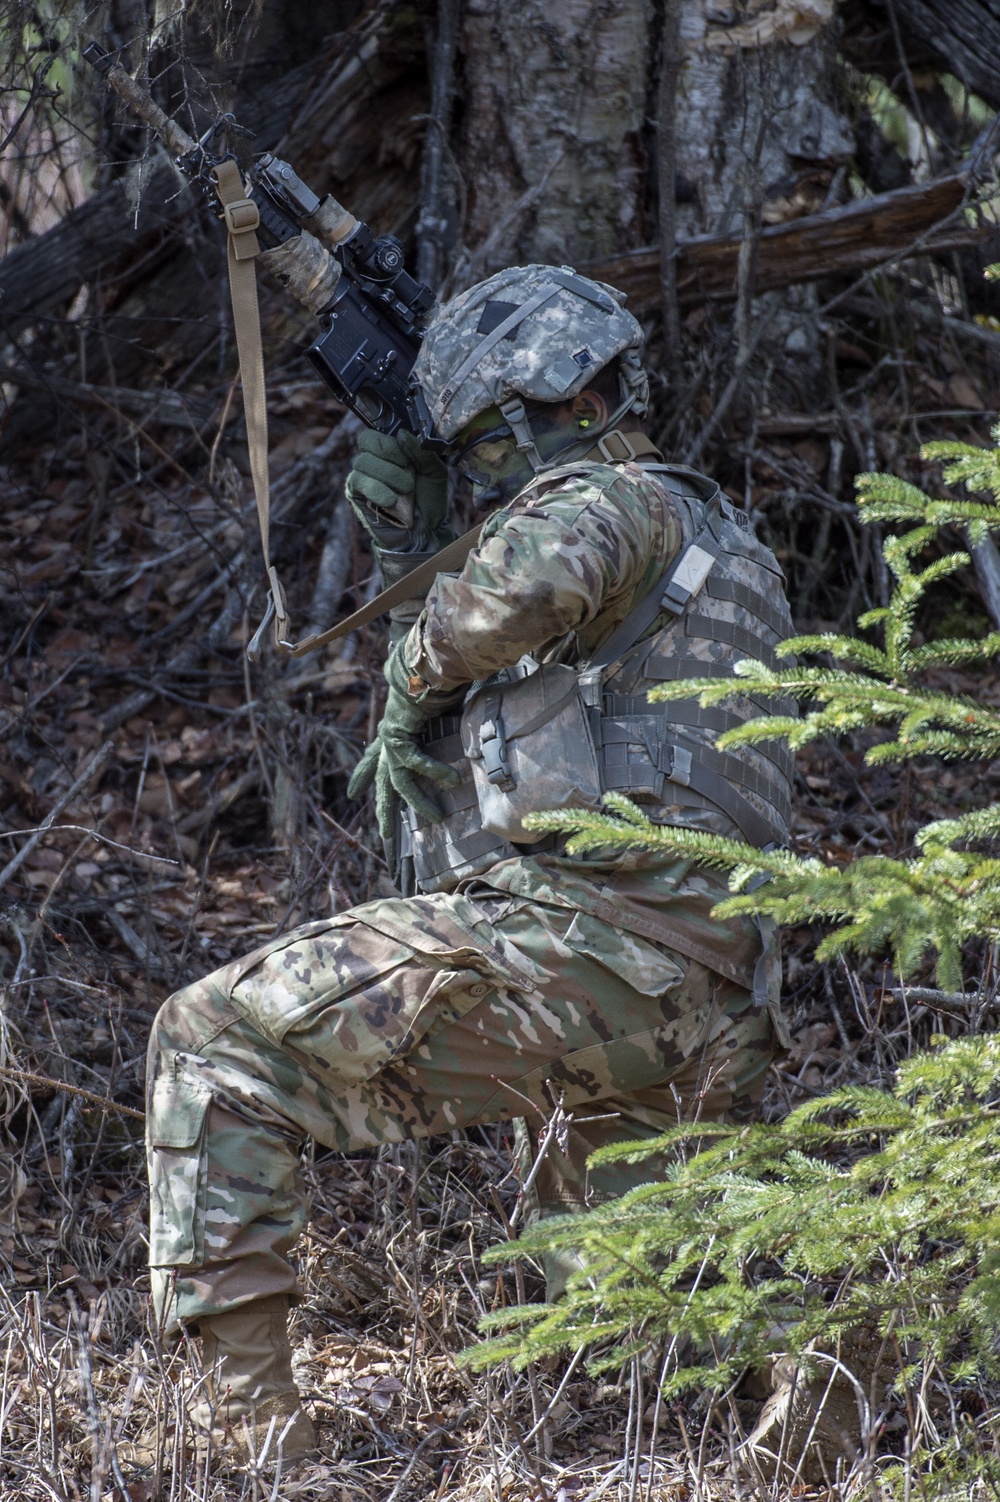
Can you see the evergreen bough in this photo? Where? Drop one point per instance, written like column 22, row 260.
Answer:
column 764, row 1238
column 868, row 1209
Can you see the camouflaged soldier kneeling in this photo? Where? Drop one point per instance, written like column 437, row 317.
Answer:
column 506, row 971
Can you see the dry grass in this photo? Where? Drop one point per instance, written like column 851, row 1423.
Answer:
column 392, row 1292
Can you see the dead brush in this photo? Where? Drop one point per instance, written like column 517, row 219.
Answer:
column 239, row 777
column 392, row 1291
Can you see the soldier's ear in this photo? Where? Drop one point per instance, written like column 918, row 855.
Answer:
column 589, row 411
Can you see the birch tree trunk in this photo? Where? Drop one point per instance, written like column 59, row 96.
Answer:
column 551, row 147
column 761, row 139
column 558, row 143
column 760, row 134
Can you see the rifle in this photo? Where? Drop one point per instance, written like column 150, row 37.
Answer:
column 371, row 310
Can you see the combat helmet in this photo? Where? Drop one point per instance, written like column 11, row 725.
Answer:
column 530, row 333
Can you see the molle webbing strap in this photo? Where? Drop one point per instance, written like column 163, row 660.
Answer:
column 657, row 669
column 710, row 773
column 730, row 634
column 617, row 447
column 684, row 712
column 666, row 757
column 750, row 600
column 673, row 591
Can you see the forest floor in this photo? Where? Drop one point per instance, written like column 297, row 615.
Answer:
column 193, row 807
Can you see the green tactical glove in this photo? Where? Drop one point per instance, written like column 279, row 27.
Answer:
column 399, row 492
column 394, row 759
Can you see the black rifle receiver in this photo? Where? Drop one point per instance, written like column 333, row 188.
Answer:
column 372, row 326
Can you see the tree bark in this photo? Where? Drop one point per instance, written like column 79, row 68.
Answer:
column 759, row 119
column 555, row 139
column 435, row 224
column 551, row 149
column 666, row 144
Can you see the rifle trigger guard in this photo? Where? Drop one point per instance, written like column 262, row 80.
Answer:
column 241, row 216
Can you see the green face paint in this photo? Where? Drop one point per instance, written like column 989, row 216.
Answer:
column 488, row 456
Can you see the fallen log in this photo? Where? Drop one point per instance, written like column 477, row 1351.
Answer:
column 45, row 272
column 159, row 406
column 853, row 238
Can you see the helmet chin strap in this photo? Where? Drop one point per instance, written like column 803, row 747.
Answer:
column 515, row 416
column 582, row 446
column 593, row 447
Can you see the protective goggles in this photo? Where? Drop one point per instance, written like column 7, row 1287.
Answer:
column 483, row 458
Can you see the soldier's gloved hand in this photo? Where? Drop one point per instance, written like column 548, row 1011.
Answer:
column 394, row 759
column 399, row 491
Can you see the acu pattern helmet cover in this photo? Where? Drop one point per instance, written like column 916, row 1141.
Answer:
column 535, row 332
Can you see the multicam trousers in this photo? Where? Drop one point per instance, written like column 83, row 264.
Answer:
column 404, row 1018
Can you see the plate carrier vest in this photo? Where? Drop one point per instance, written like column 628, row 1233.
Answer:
column 722, row 599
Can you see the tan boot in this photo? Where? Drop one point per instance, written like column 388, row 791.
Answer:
column 813, row 1429
column 250, row 1399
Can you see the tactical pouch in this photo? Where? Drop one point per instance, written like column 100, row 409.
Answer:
column 530, row 748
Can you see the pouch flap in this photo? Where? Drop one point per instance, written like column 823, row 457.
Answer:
column 462, row 939
column 177, row 1112
column 526, row 704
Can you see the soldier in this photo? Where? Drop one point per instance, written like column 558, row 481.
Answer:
column 507, row 971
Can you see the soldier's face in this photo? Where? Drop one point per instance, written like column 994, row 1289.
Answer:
column 488, row 456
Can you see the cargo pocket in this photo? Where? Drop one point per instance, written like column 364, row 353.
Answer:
column 350, row 995
column 178, row 1178
column 639, row 964
column 286, row 985
column 604, row 1070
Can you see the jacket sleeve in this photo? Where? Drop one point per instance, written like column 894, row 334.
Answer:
column 575, row 559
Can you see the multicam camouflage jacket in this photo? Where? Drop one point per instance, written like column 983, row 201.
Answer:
column 568, row 555
column 556, row 572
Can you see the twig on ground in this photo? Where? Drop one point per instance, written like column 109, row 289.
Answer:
column 94, row 834
column 88, row 1095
